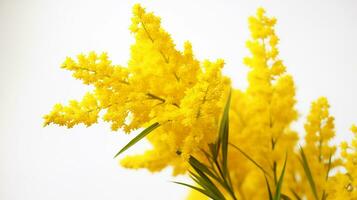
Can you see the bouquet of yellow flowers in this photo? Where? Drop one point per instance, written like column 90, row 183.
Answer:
column 234, row 144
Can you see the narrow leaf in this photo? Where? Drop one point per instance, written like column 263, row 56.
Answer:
column 297, row 197
column 328, row 166
column 203, row 186
column 285, row 197
column 141, row 135
column 207, row 184
column 214, row 148
column 207, row 155
column 198, row 189
column 324, row 195
column 250, row 158
column 224, row 134
column 279, row 186
column 308, row 173
column 269, row 190
column 197, row 164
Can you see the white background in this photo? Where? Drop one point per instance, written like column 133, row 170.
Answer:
column 318, row 44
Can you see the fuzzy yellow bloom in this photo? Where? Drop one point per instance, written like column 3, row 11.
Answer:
column 183, row 98
column 159, row 85
column 344, row 184
column 319, row 132
column 354, row 129
column 257, row 116
column 85, row 112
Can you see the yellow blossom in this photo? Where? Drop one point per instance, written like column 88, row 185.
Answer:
column 344, row 184
column 185, row 97
column 160, row 84
column 354, row 129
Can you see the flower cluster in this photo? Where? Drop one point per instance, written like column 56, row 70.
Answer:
column 344, row 184
column 180, row 99
column 160, row 85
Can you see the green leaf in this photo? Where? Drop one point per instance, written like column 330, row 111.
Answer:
column 269, row 190
column 285, row 197
column 141, row 135
column 200, row 190
column 202, row 180
column 297, row 197
column 224, row 134
column 308, row 173
column 250, row 158
column 207, row 155
column 328, row 166
column 324, row 194
column 214, row 149
column 204, row 175
column 197, row 164
column 204, row 188
column 279, row 186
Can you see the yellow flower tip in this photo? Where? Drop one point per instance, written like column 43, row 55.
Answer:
column 92, row 56
column 247, row 61
column 68, row 63
column 274, row 40
column 354, row 129
column 278, row 68
column 45, row 123
column 323, row 100
column 260, row 12
column 47, row 120
column 344, row 145
column 220, row 63
column 187, row 45
column 126, row 162
column 272, row 21
column 138, row 10
column 252, row 20
column 103, row 56
column 187, row 48
column 322, row 103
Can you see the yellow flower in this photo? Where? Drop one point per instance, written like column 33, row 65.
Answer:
column 85, row 112
column 185, row 96
column 354, row 129
column 160, row 84
column 344, row 184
